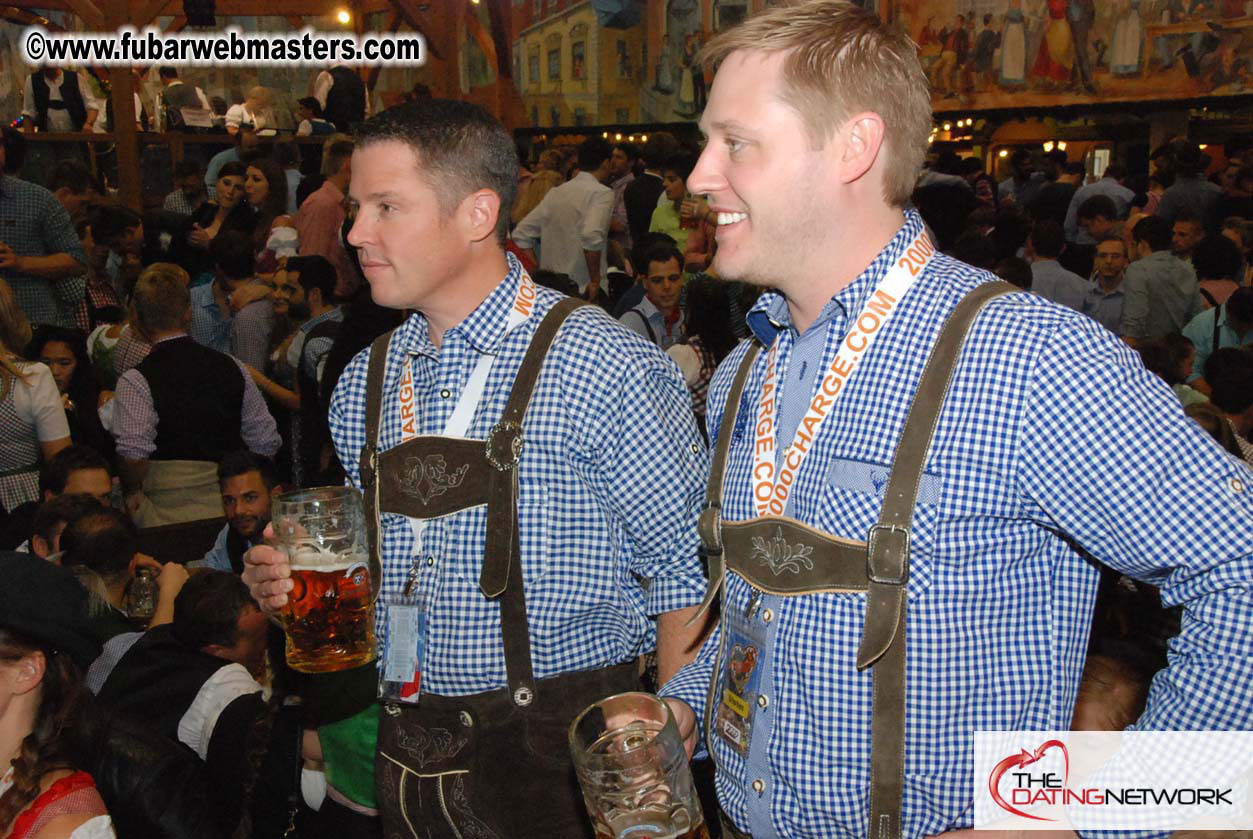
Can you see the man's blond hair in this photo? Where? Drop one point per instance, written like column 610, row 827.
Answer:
column 161, row 299
column 842, row 60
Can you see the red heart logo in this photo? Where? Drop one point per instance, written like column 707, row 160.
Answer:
column 1025, row 758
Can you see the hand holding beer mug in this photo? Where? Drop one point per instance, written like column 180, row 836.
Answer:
column 633, row 770
column 329, row 615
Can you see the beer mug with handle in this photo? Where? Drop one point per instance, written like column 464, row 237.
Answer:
column 329, row 616
column 633, row 771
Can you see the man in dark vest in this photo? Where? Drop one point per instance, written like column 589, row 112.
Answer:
column 509, row 409
column 176, row 95
column 248, row 484
column 58, row 100
column 342, row 95
column 181, row 410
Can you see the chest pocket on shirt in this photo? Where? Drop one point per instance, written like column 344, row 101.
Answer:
column 853, row 498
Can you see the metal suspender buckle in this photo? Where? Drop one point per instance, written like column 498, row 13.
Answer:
column 709, row 526
column 369, row 465
column 504, row 445
column 887, row 555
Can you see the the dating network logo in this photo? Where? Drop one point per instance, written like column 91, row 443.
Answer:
column 1030, row 788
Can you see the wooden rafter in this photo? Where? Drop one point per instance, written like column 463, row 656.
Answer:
column 178, row 24
column 409, row 13
column 148, row 12
column 498, row 16
column 88, row 12
column 28, row 18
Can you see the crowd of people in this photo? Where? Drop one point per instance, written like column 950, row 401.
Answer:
column 190, row 362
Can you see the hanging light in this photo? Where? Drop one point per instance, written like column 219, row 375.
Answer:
column 1003, row 153
column 948, row 126
column 1048, row 146
column 343, row 16
column 1061, row 145
column 643, row 138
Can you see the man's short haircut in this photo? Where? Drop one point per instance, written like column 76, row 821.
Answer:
column 71, row 175
column 315, row 272
column 1188, row 217
column 167, row 72
column 286, row 153
column 1020, row 155
column 1229, row 372
column 1238, row 224
column 188, row 167
column 631, row 150
column 1152, row 229
column 593, row 152
column 335, row 155
column 52, row 515
column 110, row 221
column 1240, row 305
column 207, row 609
column 460, row 148
column 1116, row 171
column 640, row 249
column 56, row 470
column 103, row 540
column 312, row 103
column 1047, row 239
column 1015, row 270
column 842, row 60
column 242, row 461
column 1113, row 237
column 1097, row 205
column 233, row 255
column 1217, row 258
column 161, row 298
column 660, row 147
column 681, row 164
column 661, row 252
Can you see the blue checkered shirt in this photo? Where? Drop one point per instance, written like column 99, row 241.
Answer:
column 611, row 480
column 33, row 223
column 1053, row 436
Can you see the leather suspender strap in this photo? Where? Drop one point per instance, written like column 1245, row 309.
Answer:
column 883, row 639
column 709, row 525
column 502, row 559
column 370, row 452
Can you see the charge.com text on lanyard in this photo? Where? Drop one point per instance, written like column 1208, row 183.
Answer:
column 771, row 490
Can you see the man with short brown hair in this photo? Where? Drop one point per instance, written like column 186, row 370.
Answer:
column 908, row 487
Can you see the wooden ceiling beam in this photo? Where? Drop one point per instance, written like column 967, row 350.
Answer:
column 147, row 13
column 408, row 11
column 88, row 12
column 26, row 17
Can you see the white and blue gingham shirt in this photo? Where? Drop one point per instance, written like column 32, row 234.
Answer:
column 1053, row 437
column 611, row 481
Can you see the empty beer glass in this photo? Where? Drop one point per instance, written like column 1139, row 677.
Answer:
column 329, row 616
column 633, row 770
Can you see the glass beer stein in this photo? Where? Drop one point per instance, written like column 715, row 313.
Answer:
column 329, row 616
column 633, row 770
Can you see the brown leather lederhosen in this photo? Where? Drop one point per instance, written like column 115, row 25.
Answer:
column 493, row 764
column 878, row 566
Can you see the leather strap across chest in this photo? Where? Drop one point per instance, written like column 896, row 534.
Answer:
column 783, row 556
column 433, row 476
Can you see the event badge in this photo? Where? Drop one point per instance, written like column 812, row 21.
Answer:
column 741, row 678
column 400, row 678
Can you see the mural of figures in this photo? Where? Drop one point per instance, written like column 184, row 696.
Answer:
column 1126, row 50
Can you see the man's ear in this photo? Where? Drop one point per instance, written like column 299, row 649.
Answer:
column 860, row 139
column 40, row 546
column 481, row 210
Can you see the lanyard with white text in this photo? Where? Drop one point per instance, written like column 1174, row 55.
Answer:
column 463, row 414
column 772, row 483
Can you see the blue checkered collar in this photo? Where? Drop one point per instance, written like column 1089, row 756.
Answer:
column 483, row 329
column 769, row 315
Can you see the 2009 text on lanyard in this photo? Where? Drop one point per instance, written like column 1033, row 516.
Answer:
column 772, row 481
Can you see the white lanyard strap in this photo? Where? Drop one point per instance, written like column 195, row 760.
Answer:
column 458, row 422
column 772, row 482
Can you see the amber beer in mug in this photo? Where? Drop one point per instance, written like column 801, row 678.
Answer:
column 329, row 616
column 633, row 771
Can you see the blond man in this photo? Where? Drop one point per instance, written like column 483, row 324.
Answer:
column 875, row 614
